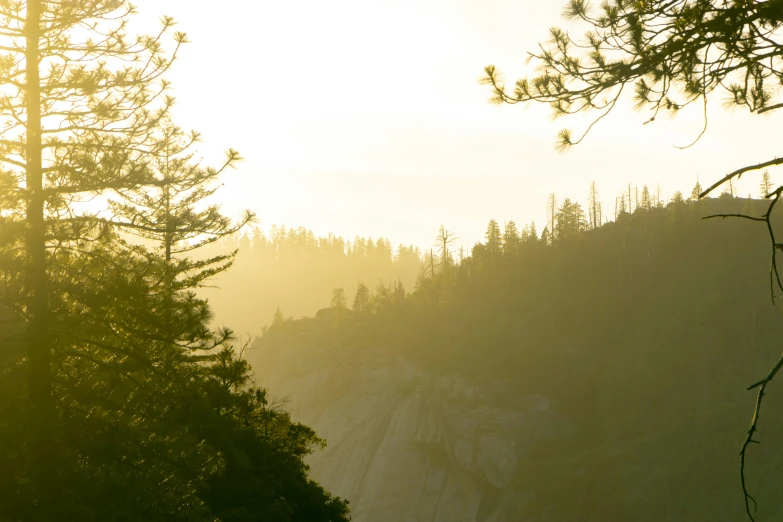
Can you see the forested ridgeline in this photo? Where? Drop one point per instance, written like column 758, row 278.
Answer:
column 644, row 333
column 295, row 270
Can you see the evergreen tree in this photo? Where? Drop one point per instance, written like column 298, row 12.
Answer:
column 696, row 192
column 570, row 220
column 532, row 234
column 545, row 237
column 381, row 298
column 167, row 212
column 87, row 100
column 511, row 238
column 493, row 237
column 646, row 202
column 399, row 294
column 338, row 305
column 621, row 209
column 339, row 302
column 361, row 302
column 766, row 184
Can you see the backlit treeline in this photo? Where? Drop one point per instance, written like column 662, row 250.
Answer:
column 292, row 272
column 567, row 218
column 295, row 270
column 433, row 269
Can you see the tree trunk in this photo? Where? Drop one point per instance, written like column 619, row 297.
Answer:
column 38, row 345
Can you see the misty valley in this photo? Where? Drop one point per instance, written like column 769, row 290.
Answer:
column 577, row 380
column 398, row 299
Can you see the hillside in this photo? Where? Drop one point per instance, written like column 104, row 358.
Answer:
column 295, row 270
column 598, row 378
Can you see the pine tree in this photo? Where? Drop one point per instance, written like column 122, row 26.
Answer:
column 167, row 212
column 493, row 237
column 766, row 184
column 382, row 298
column 678, row 198
column 570, row 220
column 399, row 293
column 339, row 301
column 338, row 305
column 139, row 301
column 361, row 301
column 511, row 238
column 87, row 99
column 646, row 202
column 533, row 234
column 696, row 192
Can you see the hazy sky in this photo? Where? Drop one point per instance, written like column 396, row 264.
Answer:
column 366, row 117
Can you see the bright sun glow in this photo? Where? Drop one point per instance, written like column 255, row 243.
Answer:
column 351, row 108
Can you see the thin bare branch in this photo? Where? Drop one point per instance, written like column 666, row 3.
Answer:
column 739, row 172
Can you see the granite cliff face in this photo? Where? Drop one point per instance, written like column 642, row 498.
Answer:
column 404, row 445
column 647, row 434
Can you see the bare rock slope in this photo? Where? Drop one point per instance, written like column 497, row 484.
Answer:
column 404, row 445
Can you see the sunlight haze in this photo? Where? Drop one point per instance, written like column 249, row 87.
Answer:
column 395, row 279
column 373, row 109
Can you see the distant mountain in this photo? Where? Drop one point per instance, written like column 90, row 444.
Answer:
column 598, row 375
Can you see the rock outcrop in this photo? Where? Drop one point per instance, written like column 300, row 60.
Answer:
column 404, row 445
